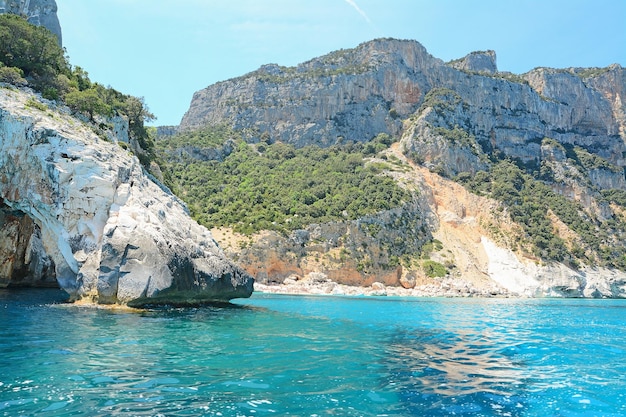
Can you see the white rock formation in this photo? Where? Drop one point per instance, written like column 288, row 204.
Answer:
column 114, row 235
column 550, row 280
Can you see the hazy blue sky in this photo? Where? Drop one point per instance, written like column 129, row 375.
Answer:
column 165, row 50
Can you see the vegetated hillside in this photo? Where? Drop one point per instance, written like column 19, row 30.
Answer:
column 30, row 56
column 544, row 150
column 276, row 186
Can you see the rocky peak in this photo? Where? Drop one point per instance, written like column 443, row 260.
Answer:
column 480, row 62
column 38, row 12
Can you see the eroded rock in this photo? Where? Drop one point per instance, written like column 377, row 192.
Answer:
column 114, row 235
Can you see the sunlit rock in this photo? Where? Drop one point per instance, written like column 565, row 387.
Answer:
column 113, row 234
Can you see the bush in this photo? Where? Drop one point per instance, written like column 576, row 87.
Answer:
column 434, row 269
column 12, row 75
column 30, row 53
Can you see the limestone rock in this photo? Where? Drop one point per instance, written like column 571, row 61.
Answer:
column 481, row 62
column 38, row 12
column 114, row 235
column 345, row 95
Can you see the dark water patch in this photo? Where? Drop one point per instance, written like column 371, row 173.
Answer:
column 443, row 373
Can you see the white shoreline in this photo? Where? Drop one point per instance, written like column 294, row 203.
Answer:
column 448, row 289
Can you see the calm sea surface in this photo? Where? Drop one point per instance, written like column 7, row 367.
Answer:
column 275, row 355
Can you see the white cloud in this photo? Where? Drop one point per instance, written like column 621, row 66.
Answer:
column 358, row 9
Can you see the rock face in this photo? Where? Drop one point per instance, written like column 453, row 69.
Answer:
column 346, row 252
column 358, row 93
column 38, row 12
column 565, row 127
column 480, row 62
column 346, row 95
column 110, row 233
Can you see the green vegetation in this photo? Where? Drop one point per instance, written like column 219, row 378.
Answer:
column 277, row 187
column 211, row 137
column 531, row 203
column 460, row 137
column 615, row 196
column 434, row 269
column 31, row 49
column 590, row 160
column 30, row 55
column 441, row 99
column 590, row 72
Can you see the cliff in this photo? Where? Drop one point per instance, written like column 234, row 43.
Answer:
column 520, row 179
column 78, row 207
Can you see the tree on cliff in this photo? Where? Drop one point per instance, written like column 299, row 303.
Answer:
column 31, row 55
column 87, row 101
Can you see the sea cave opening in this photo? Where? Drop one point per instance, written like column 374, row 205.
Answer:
column 23, row 258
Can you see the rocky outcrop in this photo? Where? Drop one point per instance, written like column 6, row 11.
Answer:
column 111, row 234
column 358, row 252
column 38, row 12
column 479, row 62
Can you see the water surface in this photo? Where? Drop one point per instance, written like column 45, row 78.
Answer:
column 275, row 355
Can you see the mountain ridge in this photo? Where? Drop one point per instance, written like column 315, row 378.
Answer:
column 558, row 134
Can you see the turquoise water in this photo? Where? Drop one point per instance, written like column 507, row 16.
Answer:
column 277, row 355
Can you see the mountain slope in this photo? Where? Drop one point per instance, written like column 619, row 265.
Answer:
column 536, row 159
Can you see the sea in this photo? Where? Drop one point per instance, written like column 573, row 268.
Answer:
column 283, row 355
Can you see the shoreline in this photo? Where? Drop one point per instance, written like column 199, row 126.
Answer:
column 447, row 288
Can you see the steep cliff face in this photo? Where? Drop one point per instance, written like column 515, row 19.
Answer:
column 89, row 211
column 38, row 12
column 356, row 94
column 346, row 95
column 559, row 133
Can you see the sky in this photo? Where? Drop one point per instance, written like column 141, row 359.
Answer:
column 164, row 50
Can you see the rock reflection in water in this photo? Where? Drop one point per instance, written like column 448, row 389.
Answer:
column 446, row 373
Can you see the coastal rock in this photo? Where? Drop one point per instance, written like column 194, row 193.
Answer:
column 344, row 252
column 38, row 12
column 113, row 235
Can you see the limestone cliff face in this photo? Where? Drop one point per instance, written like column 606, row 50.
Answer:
column 356, row 94
column 346, row 95
column 110, row 233
column 38, row 12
